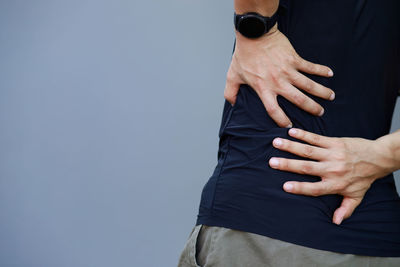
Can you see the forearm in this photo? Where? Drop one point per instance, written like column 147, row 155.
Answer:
column 264, row 7
column 390, row 143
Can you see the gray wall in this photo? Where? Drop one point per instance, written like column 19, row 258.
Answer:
column 109, row 114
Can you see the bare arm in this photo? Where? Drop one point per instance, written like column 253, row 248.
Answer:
column 264, row 7
column 391, row 144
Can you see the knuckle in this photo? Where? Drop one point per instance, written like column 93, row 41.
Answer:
column 272, row 109
column 259, row 83
column 294, row 79
column 308, row 151
column 316, row 138
column 305, row 64
column 315, row 191
column 284, row 69
column 339, row 156
column 300, row 133
column 230, row 76
column 306, row 168
column 287, row 144
column 318, row 68
column 299, row 99
column 339, row 187
column 293, row 59
column 283, row 163
column 229, row 96
column 309, row 85
column 311, row 67
column 340, row 169
column 339, row 143
column 274, row 75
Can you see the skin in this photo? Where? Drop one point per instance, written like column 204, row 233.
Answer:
column 347, row 165
column 264, row 7
column 271, row 66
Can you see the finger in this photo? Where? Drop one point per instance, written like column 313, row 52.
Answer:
column 312, row 138
column 273, row 109
column 304, row 102
column 303, row 82
column 346, row 209
column 303, row 150
column 309, row 188
column 231, row 88
column 313, row 68
column 297, row 166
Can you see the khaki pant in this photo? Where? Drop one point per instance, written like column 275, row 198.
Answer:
column 209, row 246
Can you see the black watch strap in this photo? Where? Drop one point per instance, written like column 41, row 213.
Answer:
column 269, row 22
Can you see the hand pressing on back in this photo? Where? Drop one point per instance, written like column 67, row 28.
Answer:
column 271, row 66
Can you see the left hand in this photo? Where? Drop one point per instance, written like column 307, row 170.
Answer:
column 347, row 166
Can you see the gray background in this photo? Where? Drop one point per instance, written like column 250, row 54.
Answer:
column 109, row 115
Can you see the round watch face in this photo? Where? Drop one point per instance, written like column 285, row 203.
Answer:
column 251, row 26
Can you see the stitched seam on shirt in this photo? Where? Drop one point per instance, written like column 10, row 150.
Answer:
column 223, row 162
column 219, row 174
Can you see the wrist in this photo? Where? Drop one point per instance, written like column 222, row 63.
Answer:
column 386, row 152
column 266, row 36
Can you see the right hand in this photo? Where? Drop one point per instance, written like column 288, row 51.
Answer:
column 270, row 65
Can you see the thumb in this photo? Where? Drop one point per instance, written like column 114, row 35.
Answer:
column 231, row 90
column 345, row 210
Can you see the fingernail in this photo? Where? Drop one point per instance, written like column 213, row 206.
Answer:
column 330, row 73
column 293, row 131
column 277, row 141
column 274, row 162
column 289, row 125
column 288, row 186
column 332, row 96
column 339, row 221
column 339, row 216
column 322, row 112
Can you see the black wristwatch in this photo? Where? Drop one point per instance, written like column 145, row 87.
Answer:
column 253, row 24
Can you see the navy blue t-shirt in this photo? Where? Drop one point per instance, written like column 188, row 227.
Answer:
column 360, row 41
